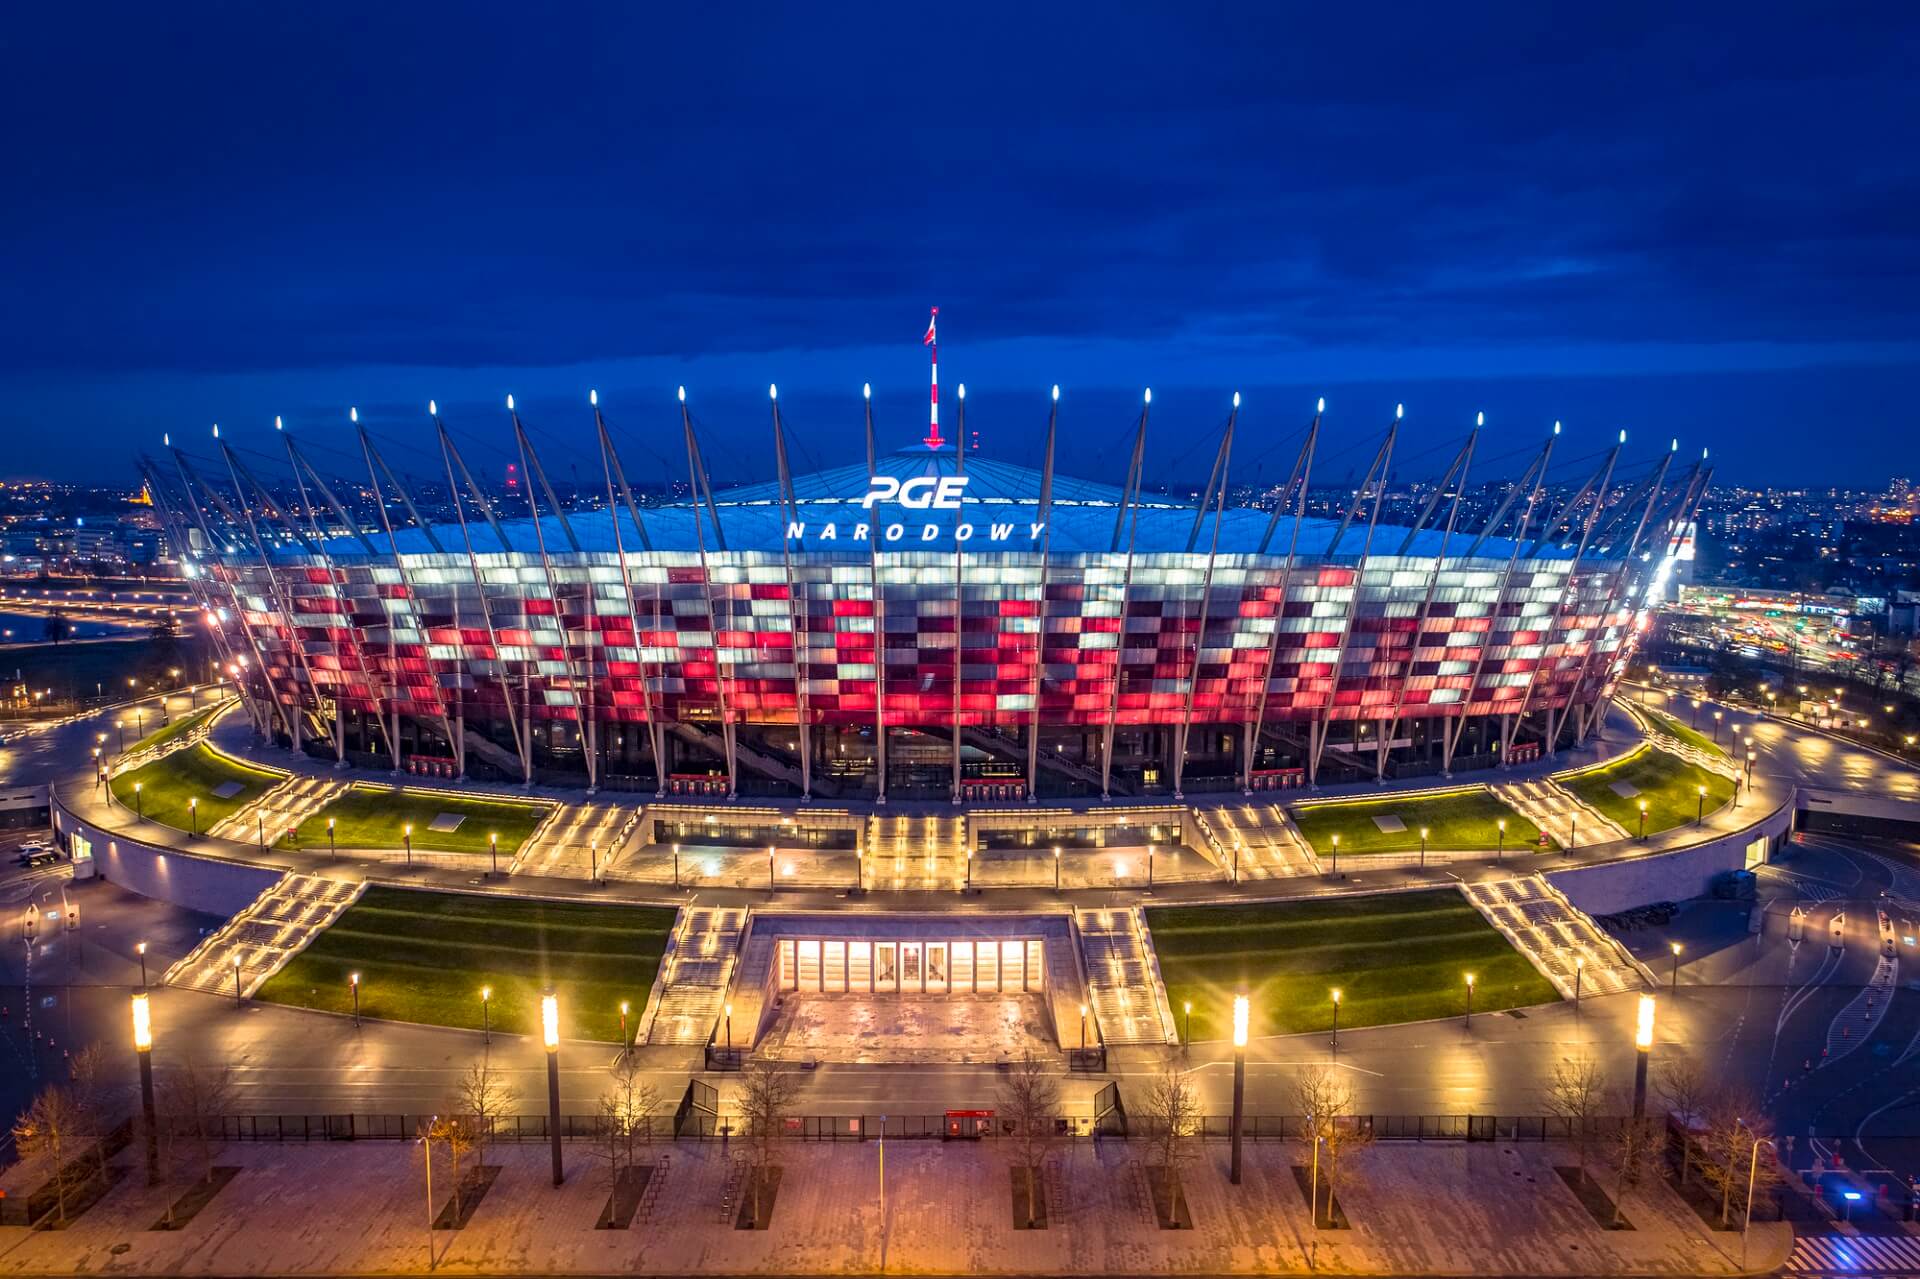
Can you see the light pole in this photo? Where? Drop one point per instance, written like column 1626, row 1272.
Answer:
column 1500, row 849
column 236, row 981
column 623, row 1027
column 772, row 885
column 729, row 1028
column 1753, row 1168
column 1674, row 983
column 493, row 851
column 1236, row 863
column 1149, row 865
column 593, row 862
column 486, row 1015
column 1579, row 971
column 1186, row 1007
column 143, row 1049
column 1700, row 806
column 140, row 949
column 1643, row 1054
column 260, row 828
column 193, row 814
column 1423, row 848
column 1083, row 1028
column 1643, row 821
column 353, row 984
column 676, row 866
column 1696, row 712
column 1336, row 855
column 969, row 881
column 1716, row 728
column 406, row 833
column 550, row 1034
column 426, row 1161
column 331, row 850
column 1240, row 1013
column 139, row 803
column 1336, row 1019
column 1573, row 829
column 1470, row 999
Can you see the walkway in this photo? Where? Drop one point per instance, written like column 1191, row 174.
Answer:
column 693, row 981
column 1123, row 982
column 258, row 942
column 1557, row 937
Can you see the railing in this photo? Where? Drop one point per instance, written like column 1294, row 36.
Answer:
column 712, row 1125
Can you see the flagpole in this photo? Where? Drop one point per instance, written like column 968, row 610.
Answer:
column 933, row 440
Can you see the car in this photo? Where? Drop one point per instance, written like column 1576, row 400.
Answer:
column 43, row 856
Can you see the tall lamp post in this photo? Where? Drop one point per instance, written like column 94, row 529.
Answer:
column 1643, row 1054
column 139, row 803
column 1336, row 855
column 1423, row 848
column 676, row 866
column 140, row 949
column 1700, row 807
column 143, row 1048
column 1240, row 1013
column 1500, row 849
column 1470, row 999
column 1186, row 1008
column 1056, row 879
column 486, row 1014
column 331, row 850
column 236, row 981
column 193, row 814
column 772, row 885
column 1579, row 971
column 493, row 852
column 406, row 833
column 1643, row 821
column 353, row 983
column 1674, row 983
column 550, row 1034
column 1336, row 1019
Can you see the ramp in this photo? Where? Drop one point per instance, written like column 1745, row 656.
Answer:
column 696, row 972
column 1556, row 936
column 262, row 938
column 1123, row 982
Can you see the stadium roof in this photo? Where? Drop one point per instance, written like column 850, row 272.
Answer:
column 996, row 493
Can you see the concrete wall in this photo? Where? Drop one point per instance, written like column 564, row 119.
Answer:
column 1607, row 887
column 197, row 882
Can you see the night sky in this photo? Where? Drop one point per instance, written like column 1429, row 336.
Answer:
column 223, row 212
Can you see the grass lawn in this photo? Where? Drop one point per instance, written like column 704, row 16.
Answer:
column 166, row 786
column 1672, row 727
column 368, row 816
column 1394, row 957
column 1669, row 785
column 180, row 727
column 1461, row 820
column 424, row 957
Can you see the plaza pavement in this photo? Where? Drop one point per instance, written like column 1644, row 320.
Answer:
column 1431, row 1209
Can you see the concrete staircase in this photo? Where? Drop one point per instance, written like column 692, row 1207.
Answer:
column 285, row 807
column 1712, row 761
column 1559, row 812
column 579, row 838
column 699, row 963
column 1270, row 847
column 263, row 937
column 1123, row 982
column 1556, row 936
column 916, row 852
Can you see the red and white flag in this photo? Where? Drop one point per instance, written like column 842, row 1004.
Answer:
column 928, row 340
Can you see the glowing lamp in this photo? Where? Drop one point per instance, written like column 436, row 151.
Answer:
column 1643, row 1025
column 142, row 1023
column 1240, row 1021
column 550, row 1022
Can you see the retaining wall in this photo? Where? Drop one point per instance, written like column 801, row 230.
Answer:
column 193, row 880
column 1606, row 887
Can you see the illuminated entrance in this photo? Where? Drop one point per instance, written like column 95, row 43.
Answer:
column 921, row 966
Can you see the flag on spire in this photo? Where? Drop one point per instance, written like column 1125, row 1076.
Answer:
column 928, row 340
column 933, row 440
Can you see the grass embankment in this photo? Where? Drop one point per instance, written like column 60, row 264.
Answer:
column 367, row 816
column 423, row 957
column 1459, row 821
column 168, row 785
column 1394, row 957
column 180, row 727
column 1669, row 726
column 1669, row 785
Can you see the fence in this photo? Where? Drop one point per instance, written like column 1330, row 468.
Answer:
column 699, row 1119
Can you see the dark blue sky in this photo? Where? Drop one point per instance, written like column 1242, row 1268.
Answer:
column 223, row 212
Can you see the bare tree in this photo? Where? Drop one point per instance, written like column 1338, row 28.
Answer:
column 1735, row 1122
column 194, row 1101
column 767, row 1092
column 56, row 1125
column 484, row 1096
column 1325, row 1098
column 1029, row 1104
column 1576, row 1091
column 457, row 1137
column 1635, row 1149
column 1172, row 1117
column 627, row 1109
column 1684, row 1089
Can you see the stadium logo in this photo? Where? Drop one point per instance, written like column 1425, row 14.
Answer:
column 918, row 494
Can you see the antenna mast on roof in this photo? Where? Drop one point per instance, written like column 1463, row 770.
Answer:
column 933, row 440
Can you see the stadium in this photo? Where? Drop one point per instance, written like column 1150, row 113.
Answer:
column 930, row 623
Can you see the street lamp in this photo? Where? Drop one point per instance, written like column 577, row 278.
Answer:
column 969, row 880
column 1643, row 821
column 1753, row 1167
column 1643, row 1054
column 331, row 851
column 1470, row 980
column 1240, row 1013
column 1186, row 1007
column 1500, row 849
column 772, row 886
column 676, row 866
column 1056, row 886
column 1423, row 848
column 1083, row 1028
column 729, row 1028
column 1716, row 727
column 236, row 980
column 1149, row 865
column 1700, row 807
column 193, row 814
column 140, row 949
column 353, row 984
column 1336, row 854
column 623, row 1025
column 1696, row 712
column 1674, row 984
column 406, row 833
column 550, row 1035
column 486, row 1015
column 139, row 804
column 143, row 1049
column 1336, row 1019
column 493, row 852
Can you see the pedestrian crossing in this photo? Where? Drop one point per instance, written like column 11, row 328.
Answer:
column 1855, row 1255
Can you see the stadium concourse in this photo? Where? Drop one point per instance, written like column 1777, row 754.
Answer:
column 789, row 913
column 930, row 623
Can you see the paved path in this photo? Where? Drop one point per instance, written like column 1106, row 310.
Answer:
column 1489, row 1209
